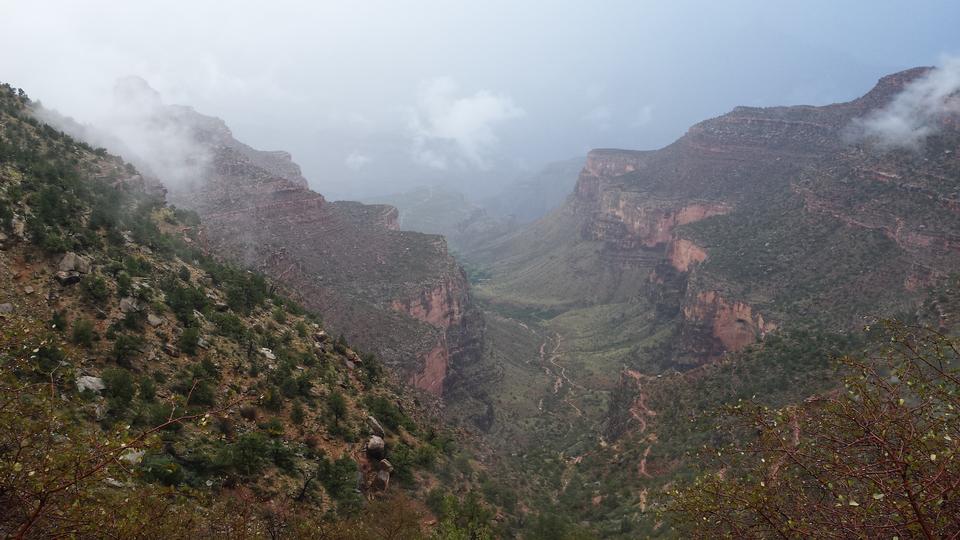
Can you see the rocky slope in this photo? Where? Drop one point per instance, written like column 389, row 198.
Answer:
column 396, row 293
column 169, row 394
column 689, row 216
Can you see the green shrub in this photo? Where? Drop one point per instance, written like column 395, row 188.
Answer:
column 82, row 333
column 120, row 388
column 94, row 288
column 148, row 389
column 247, row 456
column 189, row 339
column 337, row 405
column 161, row 468
column 59, row 321
column 297, row 414
column 124, row 348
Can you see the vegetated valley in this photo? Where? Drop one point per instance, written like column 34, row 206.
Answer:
column 746, row 333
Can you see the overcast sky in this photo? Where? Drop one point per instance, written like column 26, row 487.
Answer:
column 377, row 96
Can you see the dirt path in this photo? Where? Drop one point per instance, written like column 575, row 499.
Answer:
column 559, row 371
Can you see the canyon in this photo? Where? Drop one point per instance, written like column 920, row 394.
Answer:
column 396, row 294
column 665, row 271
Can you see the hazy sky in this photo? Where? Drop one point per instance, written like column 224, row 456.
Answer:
column 376, row 96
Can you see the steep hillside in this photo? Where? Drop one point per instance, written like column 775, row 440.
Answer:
column 728, row 265
column 150, row 390
column 396, row 293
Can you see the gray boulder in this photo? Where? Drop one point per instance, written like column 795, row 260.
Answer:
column 381, row 481
column 73, row 262
column 87, row 382
column 6, row 308
column 376, row 448
column 129, row 305
column 375, row 426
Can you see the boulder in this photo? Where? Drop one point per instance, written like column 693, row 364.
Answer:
column 375, row 426
column 321, row 337
column 170, row 350
column 385, row 465
column 268, row 353
column 68, row 262
column 67, row 277
column 376, row 448
column 72, row 262
column 381, row 481
column 6, row 308
column 153, row 320
column 28, row 290
column 129, row 305
column 86, row 382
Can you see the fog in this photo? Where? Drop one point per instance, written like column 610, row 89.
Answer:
column 916, row 112
column 381, row 96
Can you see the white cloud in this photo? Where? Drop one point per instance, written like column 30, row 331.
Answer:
column 450, row 128
column 915, row 113
column 356, row 160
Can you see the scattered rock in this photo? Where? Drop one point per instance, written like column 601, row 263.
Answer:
column 129, row 305
column 67, row 278
column 268, row 353
column 376, row 448
column 375, row 426
column 113, row 482
column 132, row 457
column 20, row 228
column 87, row 382
column 321, row 336
column 153, row 320
column 6, row 308
column 170, row 350
column 202, row 343
column 381, row 481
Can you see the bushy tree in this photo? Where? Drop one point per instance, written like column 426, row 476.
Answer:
column 875, row 459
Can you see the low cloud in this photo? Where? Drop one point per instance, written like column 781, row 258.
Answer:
column 159, row 139
column 916, row 112
column 448, row 128
column 356, row 161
